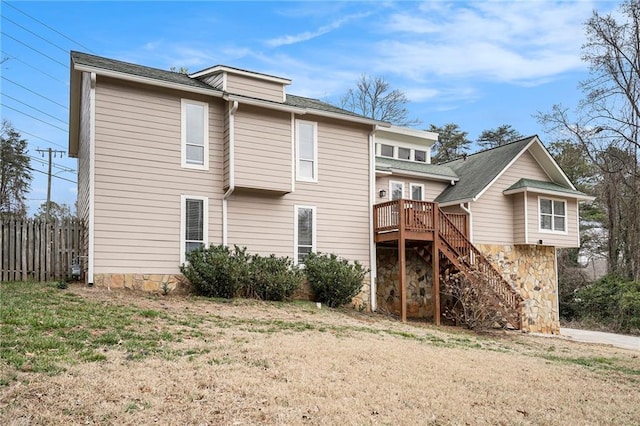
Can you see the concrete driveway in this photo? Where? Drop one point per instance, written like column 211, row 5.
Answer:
column 617, row 340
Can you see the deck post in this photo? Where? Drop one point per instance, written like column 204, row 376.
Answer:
column 435, row 264
column 402, row 273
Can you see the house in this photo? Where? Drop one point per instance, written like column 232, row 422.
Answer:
column 168, row 162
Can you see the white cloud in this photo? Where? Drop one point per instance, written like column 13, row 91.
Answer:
column 308, row 35
column 515, row 42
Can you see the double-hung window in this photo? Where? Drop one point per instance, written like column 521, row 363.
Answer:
column 304, row 232
column 193, row 224
column 417, row 191
column 306, row 151
column 195, row 135
column 396, row 190
column 553, row 215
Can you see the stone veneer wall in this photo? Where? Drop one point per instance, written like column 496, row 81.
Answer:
column 144, row 282
column 533, row 269
column 419, row 286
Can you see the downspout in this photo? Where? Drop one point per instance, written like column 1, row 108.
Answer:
column 92, row 181
column 372, row 193
column 468, row 211
column 232, row 110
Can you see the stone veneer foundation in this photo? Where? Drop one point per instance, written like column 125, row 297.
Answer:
column 533, row 269
column 419, row 286
column 143, row 282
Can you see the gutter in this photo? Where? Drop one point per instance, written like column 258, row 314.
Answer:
column 232, row 184
column 468, row 211
column 372, row 246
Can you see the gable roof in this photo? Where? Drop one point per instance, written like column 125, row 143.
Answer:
column 84, row 62
column 478, row 170
column 427, row 171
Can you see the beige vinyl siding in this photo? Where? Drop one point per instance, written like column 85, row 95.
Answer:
column 255, row 88
column 493, row 212
column 262, row 149
column 432, row 188
column 139, row 178
column 568, row 239
column 265, row 224
column 519, row 236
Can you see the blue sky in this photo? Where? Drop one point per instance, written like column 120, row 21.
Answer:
column 477, row 64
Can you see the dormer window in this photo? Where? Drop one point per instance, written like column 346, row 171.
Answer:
column 404, row 153
column 386, row 150
column 420, row 156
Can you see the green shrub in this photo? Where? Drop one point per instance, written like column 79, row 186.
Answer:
column 217, row 271
column 274, row 278
column 613, row 302
column 334, row 280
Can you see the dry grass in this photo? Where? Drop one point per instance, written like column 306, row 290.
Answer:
column 246, row 362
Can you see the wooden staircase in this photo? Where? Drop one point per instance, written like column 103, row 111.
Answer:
column 453, row 245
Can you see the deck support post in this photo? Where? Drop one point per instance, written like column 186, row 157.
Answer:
column 402, row 261
column 435, row 265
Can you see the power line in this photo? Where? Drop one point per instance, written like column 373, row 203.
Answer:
column 37, row 35
column 35, row 118
column 59, row 177
column 51, row 28
column 32, row 67
column 57, row 166
column 22, row 132
column 34, row 108
column 34, row 92
column 34, row 49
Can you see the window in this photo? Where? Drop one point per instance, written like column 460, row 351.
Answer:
column 420, row 156
column 386, row 150
column 193, row 224
column 195, row 137
column 417, row 189
column 396, row 190
column 552, row 215
column 307, row 150
column 304, row 232
column 404, row 153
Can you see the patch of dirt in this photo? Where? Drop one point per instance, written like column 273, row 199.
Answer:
column 272, row 363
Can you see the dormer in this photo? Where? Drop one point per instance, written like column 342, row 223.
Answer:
column 402, row 143
column 244, row 83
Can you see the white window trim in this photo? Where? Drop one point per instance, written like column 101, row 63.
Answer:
column 391, row 183
column 566, row 216
column 414, row 185
column 183, row 134
column 295, row 230
column 183, row 217
column 315, row 151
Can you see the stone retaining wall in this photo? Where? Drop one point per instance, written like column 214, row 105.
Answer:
column 533, row 269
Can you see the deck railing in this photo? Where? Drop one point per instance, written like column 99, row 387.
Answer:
column 418, row 216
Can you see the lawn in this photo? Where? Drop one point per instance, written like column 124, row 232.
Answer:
column 85, row 356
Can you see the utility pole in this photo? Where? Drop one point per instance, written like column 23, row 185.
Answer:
column 52, row 152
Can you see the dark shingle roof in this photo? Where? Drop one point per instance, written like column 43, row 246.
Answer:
column 183, row 79
column 544, row 185
column 138, row 70
column 479, row 169
column 429, row 170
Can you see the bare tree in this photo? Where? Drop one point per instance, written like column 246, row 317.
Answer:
column 499, row 136
column 374, row 98
column 606, row 125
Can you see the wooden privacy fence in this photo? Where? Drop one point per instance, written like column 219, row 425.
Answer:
column 39, row 251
